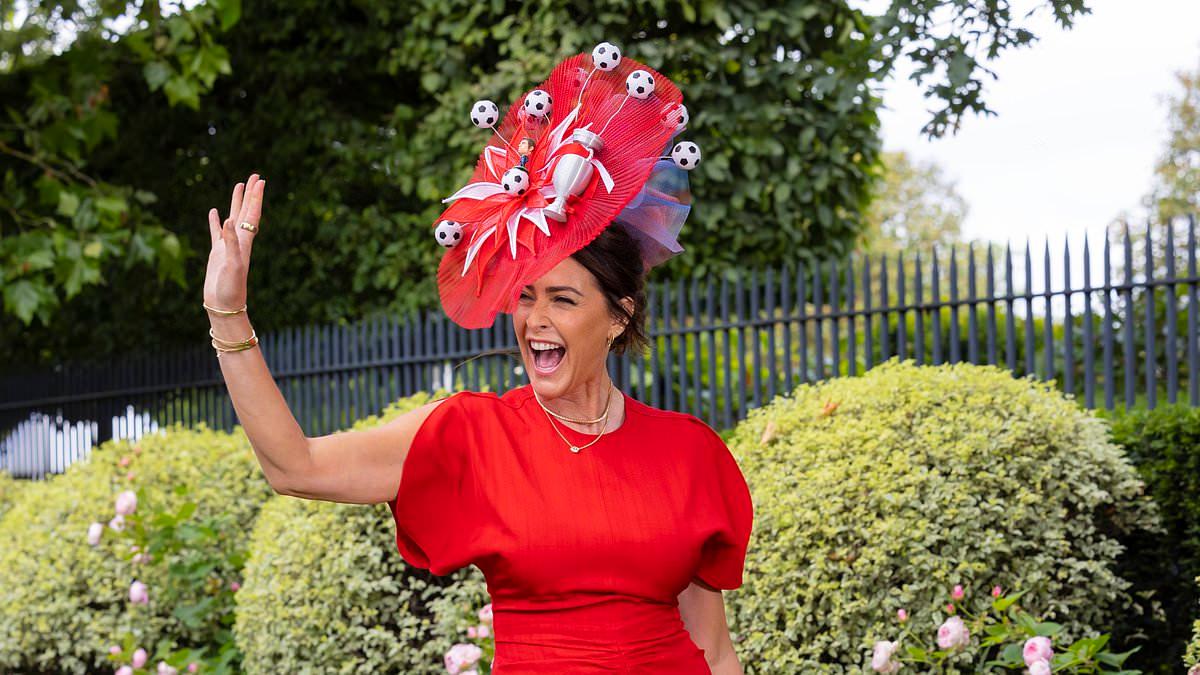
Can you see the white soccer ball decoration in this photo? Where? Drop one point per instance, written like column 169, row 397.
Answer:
column 686, row 155
column 639, row 84
column 677, row 117
column 484, row 114
column 606, row 56
column 538, row 103
column 515, row 181
column 448, row 233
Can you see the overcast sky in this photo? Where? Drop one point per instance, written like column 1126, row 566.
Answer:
column 1081, row 120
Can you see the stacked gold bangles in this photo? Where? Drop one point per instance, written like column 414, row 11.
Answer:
column 223, row 346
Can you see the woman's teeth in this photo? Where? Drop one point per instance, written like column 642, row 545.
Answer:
column 546, row 355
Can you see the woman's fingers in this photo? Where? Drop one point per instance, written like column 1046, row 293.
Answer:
column 229, row 235
column 214, row 226
column 235, row 203
column 251, row 213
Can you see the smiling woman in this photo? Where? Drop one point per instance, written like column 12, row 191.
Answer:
column 606, row 529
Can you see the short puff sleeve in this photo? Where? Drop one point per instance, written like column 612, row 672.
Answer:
column 436, row 505
column 723, row 554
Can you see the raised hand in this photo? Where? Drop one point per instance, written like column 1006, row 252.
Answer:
column 229, row 259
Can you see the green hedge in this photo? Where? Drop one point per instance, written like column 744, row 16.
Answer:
column 326, row 590
column 1192, row 658
column 63, row 602
column 10, row 489
column 883, row 491
column 1164, row 444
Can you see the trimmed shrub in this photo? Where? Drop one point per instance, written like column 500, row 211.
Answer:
column 10, row 488
column 1164, row 445
column 883, row 491
column 326, row 590
column 1192, row 658
column 63, row 602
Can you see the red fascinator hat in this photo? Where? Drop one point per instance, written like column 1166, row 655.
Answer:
column 590, row 147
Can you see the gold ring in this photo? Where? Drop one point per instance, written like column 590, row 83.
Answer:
column 247, row 226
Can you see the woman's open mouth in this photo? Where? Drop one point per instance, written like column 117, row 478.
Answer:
column 546, row 355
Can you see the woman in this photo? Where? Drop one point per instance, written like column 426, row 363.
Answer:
column 606, row 529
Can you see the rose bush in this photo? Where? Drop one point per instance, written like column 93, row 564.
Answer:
column 325, row 586
column 885, row 490
column 64, row 600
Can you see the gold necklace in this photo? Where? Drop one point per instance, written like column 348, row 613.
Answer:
column 576, row 448
column 572, row 419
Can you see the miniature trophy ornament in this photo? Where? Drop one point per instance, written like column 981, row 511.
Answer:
column 596, row 159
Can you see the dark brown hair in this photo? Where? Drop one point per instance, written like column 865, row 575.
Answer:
column 614, row 258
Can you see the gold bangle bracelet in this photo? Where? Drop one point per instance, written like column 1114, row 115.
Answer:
column 221, row 350
column 223, row 312
column 229, row 343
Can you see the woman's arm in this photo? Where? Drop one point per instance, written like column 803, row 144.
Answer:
column 703, row 611
column 359, row 467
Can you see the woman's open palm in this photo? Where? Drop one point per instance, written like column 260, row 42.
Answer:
column 229, row 259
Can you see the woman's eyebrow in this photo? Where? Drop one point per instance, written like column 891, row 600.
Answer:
column 557, row 288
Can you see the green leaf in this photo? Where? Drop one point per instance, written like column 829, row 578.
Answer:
column 229, row 12
column 1001, row 604
column 180, row 89
column 93, row 249
column 22, row 298
column 68, row 203
column 157, row 73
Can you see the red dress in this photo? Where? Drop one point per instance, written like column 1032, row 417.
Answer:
column 584, row 553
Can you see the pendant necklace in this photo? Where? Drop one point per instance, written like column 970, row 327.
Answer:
column 570, row 444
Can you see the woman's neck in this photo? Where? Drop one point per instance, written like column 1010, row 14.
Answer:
column 587, row 401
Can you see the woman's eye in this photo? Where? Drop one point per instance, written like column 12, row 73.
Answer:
column 565, row 299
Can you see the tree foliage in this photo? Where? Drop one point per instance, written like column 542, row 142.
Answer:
column 355, row 112
column 1176, row 190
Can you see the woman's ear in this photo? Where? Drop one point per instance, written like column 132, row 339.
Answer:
column 628, row 303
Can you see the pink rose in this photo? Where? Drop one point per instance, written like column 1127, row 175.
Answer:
column 485, row 613
column 996, row 592
column 125, row 460
column 902, row 614
column 234, row 586
column 94, row 532
column 881, row 660
column 953, row 634
column 462, row 657
column 1037, row 649
column 129, row 476
column 114, row 650
column 124, row 670
column 192, row 667
column 138, row 558
column 950, row 608
column 165, row 669
column 126, row 502
column 1039, row 668
column 117, row 523
column 470, row 631
column 483, row 630
column 139, row 594
column 139, row 658
column 958, row 592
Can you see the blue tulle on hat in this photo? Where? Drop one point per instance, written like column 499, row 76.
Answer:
column 655, row 216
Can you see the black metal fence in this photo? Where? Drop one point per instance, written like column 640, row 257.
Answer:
column 1119, row 330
